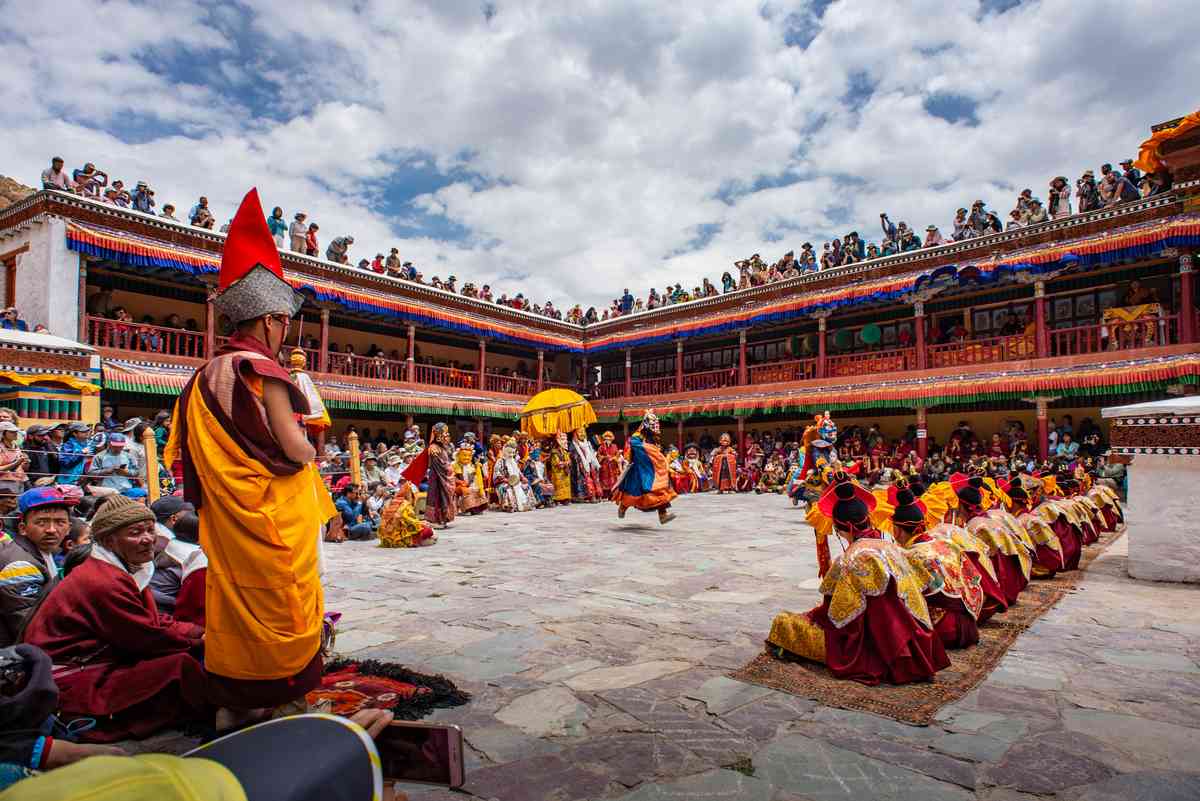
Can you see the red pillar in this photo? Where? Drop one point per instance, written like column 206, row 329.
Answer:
column 919, row 336
column 323, row 358
column 628, row 372
column 541, row 369
column 743, row 374
column 679, row 368
column 585, row 376
column 1043, row 427
column 821, row 325
column 922, row 433
column 679, row 434
column 411, row 361
column 1187, row 306
column 624, row 432
column 741, row 438
column 210, row 326
column 479, row 429
column 83, row 320
column 1041, row 343
column 482, row 363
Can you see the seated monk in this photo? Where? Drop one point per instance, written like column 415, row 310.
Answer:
column 874, row 623
column 1060, row 515
column 1010, row 558
column 956, row 600
column 401, row 527
column 1109, row 503
column 1049, row 555
column 116, row 658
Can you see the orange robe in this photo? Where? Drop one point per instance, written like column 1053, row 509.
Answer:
column 260, row 520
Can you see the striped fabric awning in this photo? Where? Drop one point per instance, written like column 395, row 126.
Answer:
column 153, row 379
column 139, row 251
column 1096, row 380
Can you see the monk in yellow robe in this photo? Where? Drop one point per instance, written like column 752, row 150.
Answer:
column 248, row 469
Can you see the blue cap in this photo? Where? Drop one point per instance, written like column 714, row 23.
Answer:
column 43, row 497
column 135, row 492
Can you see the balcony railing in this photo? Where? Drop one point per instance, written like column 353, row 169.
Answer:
column 1148, row 332
column 367, row 366
column 144, row 338
column 653, row 386
column 878, row 361
column 982, row 351
column 710, row 379
column 778, row 372
column 509, row 384
column 446, row 376
column 608, row 390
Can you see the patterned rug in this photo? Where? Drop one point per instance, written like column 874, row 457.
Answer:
column 919, row 703
column 349, row 686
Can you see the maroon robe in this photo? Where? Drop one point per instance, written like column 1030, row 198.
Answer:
column 610, row 467
column 884, row 643
column 441, row 502
column 189, row 603
column 116, row 658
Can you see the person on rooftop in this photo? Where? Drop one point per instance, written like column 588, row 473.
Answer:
column 55, row 177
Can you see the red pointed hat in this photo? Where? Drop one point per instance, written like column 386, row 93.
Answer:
column 248, row 244
column 251, row 282
column 845, row 496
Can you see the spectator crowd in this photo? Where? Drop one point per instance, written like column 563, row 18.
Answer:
column 300, row 235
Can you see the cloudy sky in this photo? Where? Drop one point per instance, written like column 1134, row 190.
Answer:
column 568, row 149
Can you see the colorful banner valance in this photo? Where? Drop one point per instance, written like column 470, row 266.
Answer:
column 139, row 251
column 1122, row 244
column 1097, row 380
column 122, row 376
column 81, row 385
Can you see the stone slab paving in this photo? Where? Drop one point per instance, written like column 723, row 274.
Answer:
column 596, row 651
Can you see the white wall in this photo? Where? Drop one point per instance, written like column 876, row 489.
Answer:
column 47, row 290
column 1162, row 517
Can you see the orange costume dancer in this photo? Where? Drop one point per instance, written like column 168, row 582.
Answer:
column 646, row 483
column 248, row 469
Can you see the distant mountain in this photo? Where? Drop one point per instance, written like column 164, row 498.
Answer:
column 12, row 191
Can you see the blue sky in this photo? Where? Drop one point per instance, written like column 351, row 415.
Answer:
column 567, row 150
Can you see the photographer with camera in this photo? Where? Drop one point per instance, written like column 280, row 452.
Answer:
column 143, row 198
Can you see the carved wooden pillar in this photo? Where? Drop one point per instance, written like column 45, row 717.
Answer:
column 1187, row 306
column 1041, row 342
column 743, row 377
column 210, row 324
column 541, row 369
column 922, row 433
column 679, row 366
column 628, row 372
column 1043, row 427
column 323, row 356
column 821, row 325
column 411, row 361
column 482, row 362
column 919, row 335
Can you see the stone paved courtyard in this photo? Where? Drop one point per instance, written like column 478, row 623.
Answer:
column 595, row 650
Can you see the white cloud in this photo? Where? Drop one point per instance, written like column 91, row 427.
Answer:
column 602, row 131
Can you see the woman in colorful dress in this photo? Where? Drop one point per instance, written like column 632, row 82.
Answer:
column 725, row 466
column 470, row 491
column 436, row 468
column 611, row 463
column 585, row 469
column 512, row 488
column 558, row 464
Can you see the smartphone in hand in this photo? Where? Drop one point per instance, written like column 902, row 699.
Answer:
column 427, row 753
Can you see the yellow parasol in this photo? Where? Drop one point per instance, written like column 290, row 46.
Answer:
column 555, row 410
